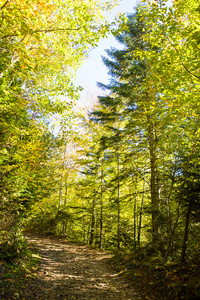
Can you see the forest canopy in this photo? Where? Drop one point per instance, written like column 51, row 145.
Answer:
column 126, row 175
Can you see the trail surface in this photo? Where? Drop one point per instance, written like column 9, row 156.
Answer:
column 70, row 271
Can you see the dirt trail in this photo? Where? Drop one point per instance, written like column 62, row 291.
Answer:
column 71, row 271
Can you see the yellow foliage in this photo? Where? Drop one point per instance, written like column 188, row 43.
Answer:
column 49, row 36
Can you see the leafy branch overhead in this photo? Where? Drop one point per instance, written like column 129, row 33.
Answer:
column 49, row 40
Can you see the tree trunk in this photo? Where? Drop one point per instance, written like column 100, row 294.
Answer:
column 60, row 193
column 118, row 205
column 170, row 238
column 66, row 194
column 62, row 177
column 84, row 230
column 154, row 184
column 185, row 237
column 92, row 223
column 101, row 212
column 141, row 213
column 135, row 212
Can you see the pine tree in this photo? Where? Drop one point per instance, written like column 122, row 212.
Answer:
column 128, row 106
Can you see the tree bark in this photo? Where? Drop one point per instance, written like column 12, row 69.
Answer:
column 185, row 237
column 92, row 223
column 154, row 183
column 135, row 213
column 141, row 213
column 101, row 212
column 170, row 238
column 118, row 205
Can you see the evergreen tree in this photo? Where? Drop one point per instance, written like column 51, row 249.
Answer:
column 128, row 106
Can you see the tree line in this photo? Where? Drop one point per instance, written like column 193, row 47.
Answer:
column 127, row 176
column 42, row 44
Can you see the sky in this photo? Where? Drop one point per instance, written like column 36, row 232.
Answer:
column 93, row 69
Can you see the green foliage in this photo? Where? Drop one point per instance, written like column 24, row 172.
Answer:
column 20, row 261
column 149, row 121
column 128, row 178
column 42, row 43
column 48, row 41
column 13, row 248
column 48, row 222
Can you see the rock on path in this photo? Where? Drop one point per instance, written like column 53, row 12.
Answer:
column 70, row 271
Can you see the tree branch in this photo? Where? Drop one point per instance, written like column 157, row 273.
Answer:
column 45, row 31
column 57, row 29
column 189, row 71
column 9, row 67
column 2, row 7
column 186, row 69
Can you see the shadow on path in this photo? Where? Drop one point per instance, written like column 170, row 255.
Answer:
column 71, row 271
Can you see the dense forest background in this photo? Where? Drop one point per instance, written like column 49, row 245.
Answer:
column 124, row 175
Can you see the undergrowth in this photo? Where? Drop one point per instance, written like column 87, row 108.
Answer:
column 154, row 279
column 19, row 261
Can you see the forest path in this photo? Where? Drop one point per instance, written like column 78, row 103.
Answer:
column 71, row 271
